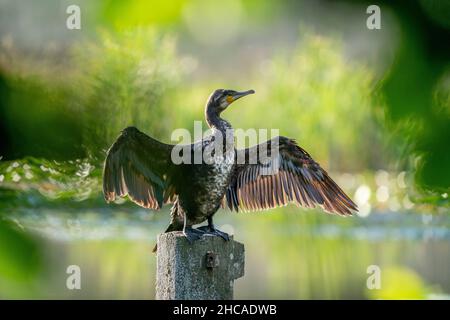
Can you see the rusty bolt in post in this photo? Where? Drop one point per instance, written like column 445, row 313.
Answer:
column 212, row 260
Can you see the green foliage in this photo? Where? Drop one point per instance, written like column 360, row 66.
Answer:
column 124, row 80
column 121, row 79
column 125, row 14
column 36, row 114
column 317, row 97
column 416, row 91
column 19, row 254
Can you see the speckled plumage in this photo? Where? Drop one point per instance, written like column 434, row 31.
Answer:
column 208, row 181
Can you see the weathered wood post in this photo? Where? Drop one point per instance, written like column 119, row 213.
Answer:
column 203, row 270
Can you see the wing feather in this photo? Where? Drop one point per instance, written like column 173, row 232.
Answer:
column 290, row 175
column 139, row 167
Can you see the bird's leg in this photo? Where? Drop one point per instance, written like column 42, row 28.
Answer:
column 210, row 229
column 190, row 233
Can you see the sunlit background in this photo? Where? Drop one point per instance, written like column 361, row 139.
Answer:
column 371, row 106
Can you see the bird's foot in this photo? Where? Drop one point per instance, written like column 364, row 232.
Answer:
column 215, row 232
column 192, row 234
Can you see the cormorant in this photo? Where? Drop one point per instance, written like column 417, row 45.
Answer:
column 142, row 168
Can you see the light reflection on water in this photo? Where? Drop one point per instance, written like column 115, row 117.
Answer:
column 289, row 254
column 142, row 225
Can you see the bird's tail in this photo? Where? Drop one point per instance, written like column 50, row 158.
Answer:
column 171, row 227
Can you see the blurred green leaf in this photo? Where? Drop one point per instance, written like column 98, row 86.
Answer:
column 19, row 253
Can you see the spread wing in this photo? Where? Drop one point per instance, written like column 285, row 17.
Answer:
column 288, row 175
column 140, row 167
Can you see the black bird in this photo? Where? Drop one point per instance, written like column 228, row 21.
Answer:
column 143, row 168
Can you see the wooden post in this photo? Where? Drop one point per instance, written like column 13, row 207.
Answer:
column 203, row 270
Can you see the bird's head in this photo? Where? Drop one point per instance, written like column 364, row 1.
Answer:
column 220, row 99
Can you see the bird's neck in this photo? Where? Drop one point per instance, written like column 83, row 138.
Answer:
column 216, row 122
column 222, row 130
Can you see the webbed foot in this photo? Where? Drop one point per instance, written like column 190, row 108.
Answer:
column 192, row 234
column 215, row 232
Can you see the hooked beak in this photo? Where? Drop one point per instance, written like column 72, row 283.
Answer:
column 239, row 95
